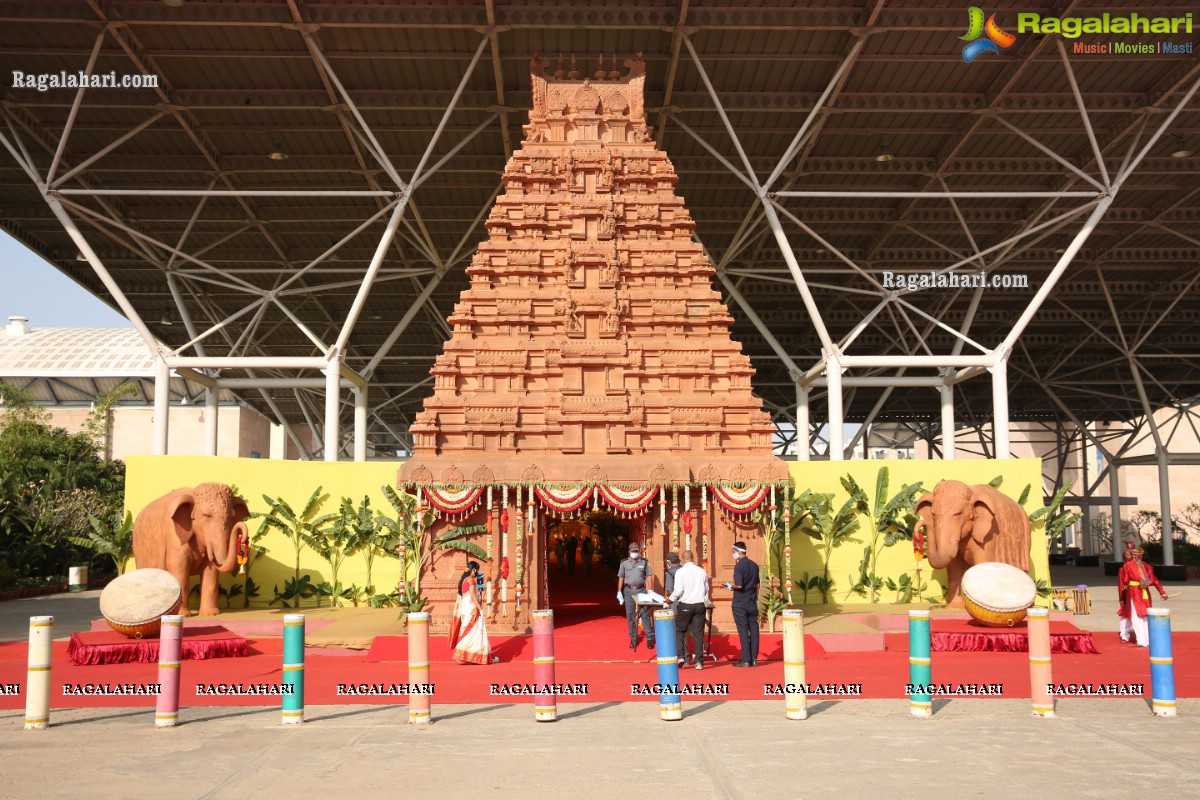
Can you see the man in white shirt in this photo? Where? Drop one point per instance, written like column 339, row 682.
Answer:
column 691, row 588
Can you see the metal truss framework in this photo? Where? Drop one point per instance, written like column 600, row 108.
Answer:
column 874, row 346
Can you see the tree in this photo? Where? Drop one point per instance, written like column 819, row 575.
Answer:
column 303, row 529
column 114, row 539
column 51, row 483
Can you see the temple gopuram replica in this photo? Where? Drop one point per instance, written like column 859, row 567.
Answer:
column 591, row 370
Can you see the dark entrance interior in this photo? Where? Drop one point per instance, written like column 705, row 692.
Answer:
column 583, row 558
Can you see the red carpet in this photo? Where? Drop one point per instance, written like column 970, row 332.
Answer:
column 881, row 674
column 968, row 636
column 110, row 647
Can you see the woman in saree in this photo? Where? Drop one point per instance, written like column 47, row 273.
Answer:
column 468, row 636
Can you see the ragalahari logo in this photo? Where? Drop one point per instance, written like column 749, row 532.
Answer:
column 996, row 38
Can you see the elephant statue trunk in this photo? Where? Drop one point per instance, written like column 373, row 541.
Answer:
column 229, row 562
column 968, row 525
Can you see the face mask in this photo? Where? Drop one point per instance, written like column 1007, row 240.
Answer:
column 736, row 555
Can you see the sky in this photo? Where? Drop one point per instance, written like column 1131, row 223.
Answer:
column 31, row 287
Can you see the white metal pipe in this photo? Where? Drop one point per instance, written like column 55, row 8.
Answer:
column 196, row 340
column 360, row 423
column 763, row 330
column 248, row 362
column 1052, row 279
column 1064, row 162
column 162, row 406
column 453, row 151
column 228, row 192
column 837, row 428
column 207, row 381
column 794, row 147
column 947, row 402
column 398, row 331
column 332, row 400
column 22, row 158
column 312, row 337
column 66, row 134
column 879, row 381
column 279, row 383
column 364, row 290
column 212, row 410
column 712, row 93
column 313, row 432
column 66, row 176
column 902, row 195
column 1133, row 165
column 1087, row 123
column 1000, row 435
column 338, row 245
column 449, row 109
column 98, row 267
column 810, row 303
column 717, row 154
column 803, row 445
column 1086, row 520
column 1164, row 507
column 934, row 362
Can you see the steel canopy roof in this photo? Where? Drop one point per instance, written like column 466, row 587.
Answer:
column 239, row 80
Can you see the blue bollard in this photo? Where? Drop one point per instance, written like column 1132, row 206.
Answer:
column 1162, row 663
column 293, row 668
column 920, row 670
column 669, row 703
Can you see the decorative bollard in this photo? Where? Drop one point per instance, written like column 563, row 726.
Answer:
column 418, row 668
column 794, row 699
column 1040, row 676
column 545, row 704
column 1162, row 663
column 920, row 673
column 37, row 681
column 170, row 653
column 669, row 704
column 293, row 669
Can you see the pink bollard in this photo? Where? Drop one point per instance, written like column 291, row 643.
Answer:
column 545, row 704
column 170, row 654
column 419, row 712
column 1040, row 677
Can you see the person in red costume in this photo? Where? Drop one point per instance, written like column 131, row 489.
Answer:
column 1133, row 583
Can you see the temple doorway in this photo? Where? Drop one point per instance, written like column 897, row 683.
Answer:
column 582, row 565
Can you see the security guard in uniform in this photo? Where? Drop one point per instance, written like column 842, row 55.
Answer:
column 633, row 576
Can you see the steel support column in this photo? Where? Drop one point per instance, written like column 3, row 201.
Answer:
column 837, row 428
column 947, row 396
column 212, row 410
column 360, row 423
column 803, row 442
column 333, row 385
column 162, row 407
column 1000, row 407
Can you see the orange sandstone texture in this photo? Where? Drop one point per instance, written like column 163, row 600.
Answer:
column 590, row 346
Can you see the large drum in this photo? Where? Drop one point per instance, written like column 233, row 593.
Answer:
column 996, row 594
column 135, row 602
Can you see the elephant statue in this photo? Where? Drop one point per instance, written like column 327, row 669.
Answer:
column 968, row 525
column 192, row 532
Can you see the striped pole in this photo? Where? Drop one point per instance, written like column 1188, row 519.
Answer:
column 1162, row 663
column 293, row 668
column 545, row 706
column 37, row 680
column 1040, row 676
column 669, row 704
column 794, row 699
column 418, row 668
column 170, row 653
column 920, row 672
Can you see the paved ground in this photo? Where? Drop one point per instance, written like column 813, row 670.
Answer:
column 71, row 612
column 849, row 749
